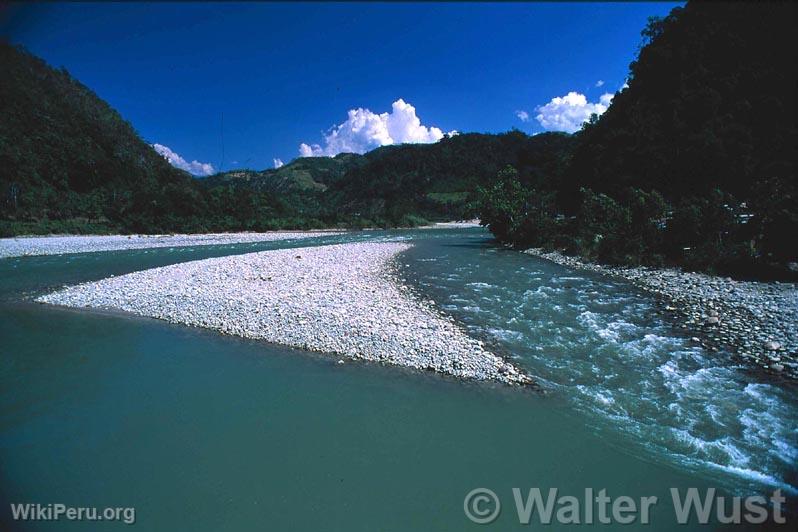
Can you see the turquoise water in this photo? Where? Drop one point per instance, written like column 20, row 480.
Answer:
column 204, row 432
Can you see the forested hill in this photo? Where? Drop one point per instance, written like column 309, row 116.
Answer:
column 404, row 184
column 430, row 179
column 302, row 174
column 711, row 103
column 65, row 154
column 70, row 163
column 692, row 164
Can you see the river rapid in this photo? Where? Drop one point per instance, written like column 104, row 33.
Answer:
column 202, row 431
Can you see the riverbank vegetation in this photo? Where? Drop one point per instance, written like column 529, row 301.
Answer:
column 693, row 164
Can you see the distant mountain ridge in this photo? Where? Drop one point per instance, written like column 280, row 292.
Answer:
column 434, row 181
column 302, row 174
column 69, row 163
column 693, row 164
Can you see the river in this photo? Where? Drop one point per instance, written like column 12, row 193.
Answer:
column 206, row 432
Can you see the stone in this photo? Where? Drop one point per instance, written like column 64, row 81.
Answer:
column 749, row 316
column 343, row 299
column 57, row 245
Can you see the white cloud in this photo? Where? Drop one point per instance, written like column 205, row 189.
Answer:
column 569, row 112
column 522, row 115
column 193, row 167
column 277, row 162
column 364, row 130
column 600, row 83
column 307, row 151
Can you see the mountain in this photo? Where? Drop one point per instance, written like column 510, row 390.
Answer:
column 395, row 185
column 303, row 174
column 69, row 163
column 437, row 180
column 693, row 163
column 66, row 156
column 711, row 103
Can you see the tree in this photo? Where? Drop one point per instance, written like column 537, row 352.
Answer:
column 504, row 205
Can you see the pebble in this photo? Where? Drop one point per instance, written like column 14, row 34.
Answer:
column 24, row 246
column 341, row 299
column 747, row 319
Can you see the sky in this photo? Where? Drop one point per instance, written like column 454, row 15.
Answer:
column 252, row 85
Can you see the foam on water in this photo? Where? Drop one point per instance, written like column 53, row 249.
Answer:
column 479, row 285
column 602, row 346
column 504, row 334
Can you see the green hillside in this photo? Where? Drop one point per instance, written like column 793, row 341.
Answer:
column 395, row 185
column 437, row 181
column 305, row 174
column 692, row 164
column 68, row 161
column 711, row 104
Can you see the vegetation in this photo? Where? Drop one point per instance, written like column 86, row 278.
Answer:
column 437, row 181
column 692, row 164
column 67, row 157
column 307, row 174
column 70, row 163
column 402, row 185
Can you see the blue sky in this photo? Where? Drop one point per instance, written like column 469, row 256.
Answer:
column 284, row 74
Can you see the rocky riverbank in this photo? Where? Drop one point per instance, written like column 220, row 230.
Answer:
column 61, row 244
column 458, row 224
column 341, row 299
column 755, row 322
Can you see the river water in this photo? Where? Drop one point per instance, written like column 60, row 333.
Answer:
column 205, row 432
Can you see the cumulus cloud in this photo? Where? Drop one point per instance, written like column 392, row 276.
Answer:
column 569, row 112
column 600, row 83
column 522, row 115
column 364, row 130
column 277, row 162
column 193, row 167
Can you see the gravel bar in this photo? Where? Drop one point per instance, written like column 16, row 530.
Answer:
column 58, row 245
column 754, row 321
column 342, row 299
